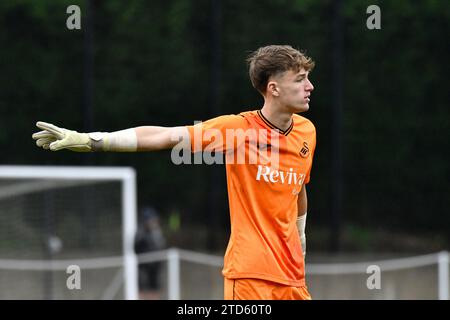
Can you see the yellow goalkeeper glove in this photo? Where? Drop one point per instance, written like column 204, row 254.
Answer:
column 55, row 138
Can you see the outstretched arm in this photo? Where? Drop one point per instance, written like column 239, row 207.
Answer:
column 150, row 138
column 147, row 138
column 302, row 205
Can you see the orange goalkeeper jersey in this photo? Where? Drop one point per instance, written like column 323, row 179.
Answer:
column 262, row 191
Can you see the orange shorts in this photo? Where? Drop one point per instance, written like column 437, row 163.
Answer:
column 258, row 289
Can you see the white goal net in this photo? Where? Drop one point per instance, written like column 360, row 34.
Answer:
column 67, row 233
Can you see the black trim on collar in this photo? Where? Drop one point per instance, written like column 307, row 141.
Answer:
column 272, row 126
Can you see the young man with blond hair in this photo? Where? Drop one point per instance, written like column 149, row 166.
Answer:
column 266, row 186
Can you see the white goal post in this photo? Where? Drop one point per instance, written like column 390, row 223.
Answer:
column 52, row 175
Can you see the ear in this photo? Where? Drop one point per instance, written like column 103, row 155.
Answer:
column 272, row 89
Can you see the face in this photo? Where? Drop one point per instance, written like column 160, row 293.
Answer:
column 292, row 90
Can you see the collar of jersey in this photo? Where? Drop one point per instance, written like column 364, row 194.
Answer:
column 272, row 126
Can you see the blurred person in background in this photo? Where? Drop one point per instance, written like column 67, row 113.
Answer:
column 149, row 237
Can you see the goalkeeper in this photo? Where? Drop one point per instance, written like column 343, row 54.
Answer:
column 268, row 203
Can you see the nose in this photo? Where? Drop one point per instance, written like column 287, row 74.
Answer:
column 309, row 86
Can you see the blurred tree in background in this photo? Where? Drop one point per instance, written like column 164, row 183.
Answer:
column 152, row 62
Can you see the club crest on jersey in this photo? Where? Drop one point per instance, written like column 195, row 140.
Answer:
column 304, row 151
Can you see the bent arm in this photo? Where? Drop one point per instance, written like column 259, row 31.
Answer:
column 302, row 207
column 302, row 202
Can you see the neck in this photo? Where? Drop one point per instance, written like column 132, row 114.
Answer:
column 278, row 117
